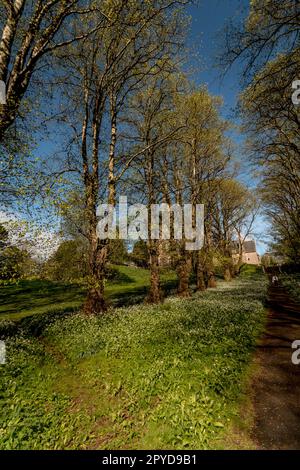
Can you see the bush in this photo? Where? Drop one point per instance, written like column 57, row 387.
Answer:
column 113, row 274
column 69, row 262
column 15, row 264
column 140, row 255
column 292, row 283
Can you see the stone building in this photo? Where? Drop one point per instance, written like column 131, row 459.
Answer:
column 249, row 255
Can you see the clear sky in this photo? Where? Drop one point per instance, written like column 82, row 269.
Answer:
column 208, row 20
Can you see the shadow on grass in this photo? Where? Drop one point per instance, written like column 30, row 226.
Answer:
column 34, row 303
column 138, row 294
column 37, row 294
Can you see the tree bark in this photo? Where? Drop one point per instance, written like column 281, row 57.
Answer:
column 227, row 273
column 200, row 281
column 155, row 294
column 112, row 147
column 8, row 35
column 211, row 279
column 183, row 272
column 95, row 302
column 98, row 249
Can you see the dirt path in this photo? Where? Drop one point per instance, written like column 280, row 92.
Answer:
column 276, row 387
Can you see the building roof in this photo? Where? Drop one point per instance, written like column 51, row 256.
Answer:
column 249, row 246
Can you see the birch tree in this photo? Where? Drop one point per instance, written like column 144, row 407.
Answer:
column 30, row 32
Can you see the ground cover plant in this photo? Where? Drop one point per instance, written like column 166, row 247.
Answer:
column 165, row 376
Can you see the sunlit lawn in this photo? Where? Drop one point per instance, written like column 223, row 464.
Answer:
column 29, row 297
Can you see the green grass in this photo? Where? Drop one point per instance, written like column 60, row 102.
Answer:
column 251, row 271
column 30, row 297
column 152, row 377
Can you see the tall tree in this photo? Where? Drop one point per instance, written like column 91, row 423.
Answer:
column 232, row 210
column 204, row 146
column 154, row 128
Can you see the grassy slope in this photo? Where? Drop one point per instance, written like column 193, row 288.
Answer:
column 40, row 296
column 167, row 376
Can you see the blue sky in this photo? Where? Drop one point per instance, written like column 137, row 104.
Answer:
column 208, row 19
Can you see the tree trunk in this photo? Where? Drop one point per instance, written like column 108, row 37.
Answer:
column 8, row 36
column 183, row 272
column 95, row 303
column 239, row 263
column 227, row 273
column 200, row 281
column 233, row 270
column 228, row 265
column 155, row 294
column 211, row 280
column 112, row 148
column 210, row 271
